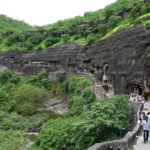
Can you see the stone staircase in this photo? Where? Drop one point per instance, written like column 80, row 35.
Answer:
column 98, row 88
column 101, row 93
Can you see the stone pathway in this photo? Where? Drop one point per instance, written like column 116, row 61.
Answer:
column 140, row 145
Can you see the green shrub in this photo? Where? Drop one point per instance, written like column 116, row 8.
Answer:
column 77, row 84
column 88, row 95
column 51, row 41
column 108, row 12
column 14, row 38
column 3, row 96
column 55, row 135
column 5, row 75
column 91, row 39
column 29, row 46
column 76, row 104
column 114, row 21
column 102, row 29
column 80, row 132
column 11, row 140
column 65, row 37
column 15, row 79
column 147, row 24
column 28, row 98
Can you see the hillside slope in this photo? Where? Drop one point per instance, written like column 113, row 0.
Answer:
column 115, row 53
column 86, row 30
column 9, row 24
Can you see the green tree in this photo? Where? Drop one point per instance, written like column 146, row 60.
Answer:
column 13, row 140
column 65, row 37
column 108, row 12
column 114, row 21
column 29, row 98
column 51, row 41
column 5, row 75
column 102, row 29
column 91, row 39
column 3, row 96
column 82, row 131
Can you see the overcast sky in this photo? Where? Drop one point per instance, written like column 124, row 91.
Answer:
column 41, row 12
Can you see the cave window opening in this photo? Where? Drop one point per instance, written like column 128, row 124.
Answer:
column 92, row 71
column 136, row 89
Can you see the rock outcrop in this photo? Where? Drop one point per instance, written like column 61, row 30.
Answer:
column 122, row 60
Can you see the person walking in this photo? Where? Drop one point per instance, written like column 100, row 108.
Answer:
column 146, row 128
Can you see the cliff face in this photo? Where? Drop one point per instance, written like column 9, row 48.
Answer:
column 123, row 60
column 124, row 56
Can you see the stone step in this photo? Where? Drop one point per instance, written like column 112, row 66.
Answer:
column 101, row 93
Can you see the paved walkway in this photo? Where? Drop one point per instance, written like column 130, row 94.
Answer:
column 140, row 145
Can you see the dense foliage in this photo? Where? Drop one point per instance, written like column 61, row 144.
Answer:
column 11, row 140
column 22, row 97
column 80, row 132
column 20, row 101
column 92, row 27
column 80, row 94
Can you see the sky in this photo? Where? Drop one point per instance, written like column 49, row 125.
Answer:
column 42, row 12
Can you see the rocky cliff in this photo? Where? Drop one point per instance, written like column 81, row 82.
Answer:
column 122, row 60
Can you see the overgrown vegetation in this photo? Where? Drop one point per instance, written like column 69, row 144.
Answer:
column 86, row 30
column 11, row 140
column 9, row 25
column 20, row 102
column 78, row 132
column 22, row 97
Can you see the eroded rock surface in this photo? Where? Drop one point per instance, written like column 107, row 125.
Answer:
column 122, row 60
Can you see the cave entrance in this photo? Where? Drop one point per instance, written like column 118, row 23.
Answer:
column 136, row 89
column 92, row 71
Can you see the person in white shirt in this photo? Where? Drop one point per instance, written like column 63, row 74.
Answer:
column 146, row 128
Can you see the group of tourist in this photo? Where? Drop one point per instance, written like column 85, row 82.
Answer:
column 145, row 117
column 136, row 97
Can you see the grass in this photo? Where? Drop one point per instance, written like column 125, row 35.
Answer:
column 143, row 16
column 124, row 24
